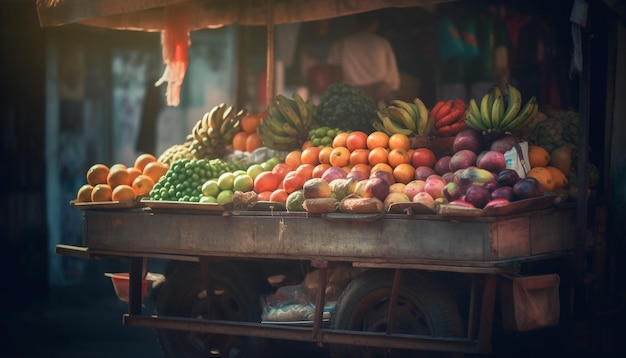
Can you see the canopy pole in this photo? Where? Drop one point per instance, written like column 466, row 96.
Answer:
column 269, row 85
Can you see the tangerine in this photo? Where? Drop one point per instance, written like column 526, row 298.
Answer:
column 377, row 139
column 339, row 157
column 97, row 174
column 324, row 155
column 538, row 156
column 310, row 155
column 144, row 159
column 359, row 156
column 250, row 122
column 253, row 141
column 123, row 192
column 293, row 158
column 266, row 181
column 118, row 175
column 264, row 195
column 366, row 168
column 404, row 173
column 239, row 141
column 381, row 166
column 279, row 196
column 306, row 144
column 340, row 139
column 101, row 192
column 142, row 185
column 356, row 140
column 319, row 170
column 377, row 155
column 281, row 169
column 398, row 156
column 306, row 169
column 399, row 140
column 133, row 173
column 155, row 170
column 84, row 193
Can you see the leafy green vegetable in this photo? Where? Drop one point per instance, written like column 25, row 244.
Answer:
column 346, row 107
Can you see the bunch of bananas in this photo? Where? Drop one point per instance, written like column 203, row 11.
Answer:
column 408, row 118
column 287, row 125
column 499, row 113
column 214, row 132
column 449, row 117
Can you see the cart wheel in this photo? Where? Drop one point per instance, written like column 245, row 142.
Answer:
column 423, row 308
column 237, row 293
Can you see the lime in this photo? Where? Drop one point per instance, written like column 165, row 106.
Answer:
column 320, row 132
column 243, row 182
column 239, row 172
column 331, row 133
column 225, row 181
column 224, row 197
column 254, row 170
column 208, row 199
column 210, row 188
column 270, row 163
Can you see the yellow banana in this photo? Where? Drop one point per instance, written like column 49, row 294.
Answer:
column 474, row 110
column 400, row 115
column 205, row 121
column 425, row 122
column 522, row 116
column 485, row 110
column 380, row 127
column 514, row 103
column 392, row 126
column 497, row 108
column 406, row 106
column 474, row 123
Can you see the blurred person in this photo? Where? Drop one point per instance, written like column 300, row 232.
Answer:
column 367, row 60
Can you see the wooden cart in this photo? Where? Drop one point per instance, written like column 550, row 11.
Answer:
column 455, row 261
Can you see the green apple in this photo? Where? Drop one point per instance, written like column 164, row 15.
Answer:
column 225, row 181
column 210, row 188
column 208, row 199
column 254, row 170
column 270, row 163
column 224, row 197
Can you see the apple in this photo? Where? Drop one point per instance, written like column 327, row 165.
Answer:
column 434, row 186
column 333, row 173
column 491, row 160
column 422, row 172
column 413, row 187
column 376, row 188
column 468, row 139
column 316, row 188
column 442, row 165
column 385, row 175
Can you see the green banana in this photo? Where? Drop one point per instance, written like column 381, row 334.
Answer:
column 485, row 110
column 380, row 127
column 514, row 103
column 474, row 110
column 392, row 126
column 275, row 124
column 474, row 123
column 301, row 104
column 425, row 122
column 406, row 106
column 265, row 132
column 290, row 130
column 497, row 108
column 290, row 116
column 400, row 115
column 522, row 116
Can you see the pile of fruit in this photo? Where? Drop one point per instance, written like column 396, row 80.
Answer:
column 329, row 168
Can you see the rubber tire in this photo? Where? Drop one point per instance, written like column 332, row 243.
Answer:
column 240, row 291
column 424, row 307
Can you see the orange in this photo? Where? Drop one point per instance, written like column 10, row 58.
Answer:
column 84, row 193
column 538, row 156
column 543, row 176
column 310, row 155
column 306, row 144
column 339, row 157
column 266, row 181
column 133, row 173
column 142, row 185
column 377, row 139
column 340, row 139
column 320, row 169
column 264, row 195
column 249, row 122
column 306, row 170
column 281, row 169
column 97, row 174
column 359, row 156
column 155, row 170
column 399, row 140
column 382, row 166
column 253, row 141
column 559, row 179
column 324, row 155
column 293, row 181
column 378, row 155
column 239, row 141
column 293, row 158
column 144, row 159
column 279, row 196
column 398, row 156
column 356, row 140
column 118, row 175
column 404, row 173
column 366, row 168
column 123, row 193
column 423, row 157
column 101, row 192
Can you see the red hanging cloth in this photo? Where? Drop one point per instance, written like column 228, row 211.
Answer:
column 175, row 44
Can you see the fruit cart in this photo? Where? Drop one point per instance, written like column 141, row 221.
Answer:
column 420, row 281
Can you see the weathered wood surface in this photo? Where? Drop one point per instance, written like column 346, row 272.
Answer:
column 393, row 239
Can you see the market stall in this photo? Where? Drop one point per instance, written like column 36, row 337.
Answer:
column 462, row 248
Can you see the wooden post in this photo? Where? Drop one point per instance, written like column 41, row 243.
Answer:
column 269, row 85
